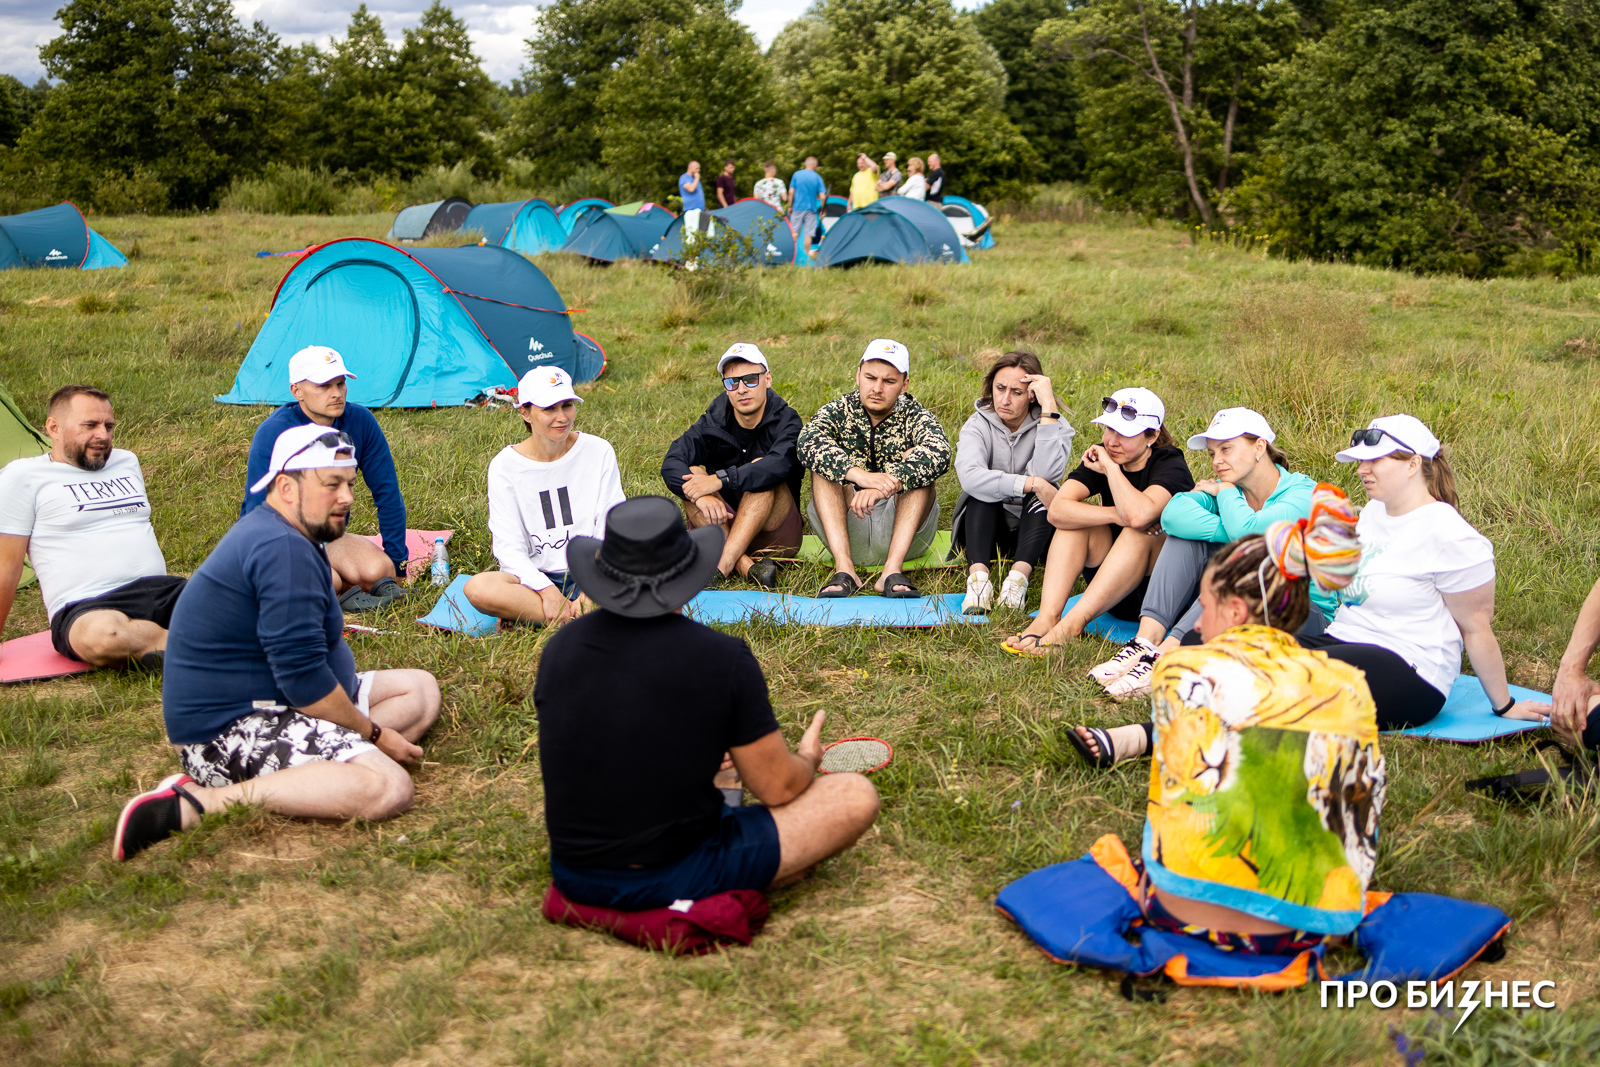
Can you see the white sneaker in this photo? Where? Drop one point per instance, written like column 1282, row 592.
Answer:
column 1122, row 662
column 1014, row 591
column 980, row 595
column 1136, row 683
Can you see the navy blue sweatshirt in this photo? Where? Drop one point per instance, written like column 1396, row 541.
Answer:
column 373, row 460
column 257, row 627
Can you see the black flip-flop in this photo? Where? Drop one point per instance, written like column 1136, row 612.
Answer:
column 1102, row 739
column 847, row 587
column 897, row 578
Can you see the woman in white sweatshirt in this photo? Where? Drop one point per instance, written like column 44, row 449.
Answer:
column 543, row 491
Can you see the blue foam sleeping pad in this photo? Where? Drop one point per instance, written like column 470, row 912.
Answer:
column 452, row 612
column 740, row 605
column 1467, row 717
column 1107, row 626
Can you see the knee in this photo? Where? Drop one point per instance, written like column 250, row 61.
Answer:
column 391, row 793
column 859, row 800
column 98, row 641
column 424, row 688
column 374, row 568
column 479, row 589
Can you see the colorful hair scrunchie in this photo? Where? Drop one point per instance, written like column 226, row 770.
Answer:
column 1323, row 546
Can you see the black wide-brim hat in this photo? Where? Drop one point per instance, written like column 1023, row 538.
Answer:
column 649, row 563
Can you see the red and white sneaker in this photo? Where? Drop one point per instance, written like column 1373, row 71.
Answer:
column 1122, row 662
column 152, row 817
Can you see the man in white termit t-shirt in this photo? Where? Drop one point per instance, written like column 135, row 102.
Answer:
column 81, row 515
column 544, row 490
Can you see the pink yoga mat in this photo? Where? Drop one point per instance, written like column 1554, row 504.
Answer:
column 32, row 658
column 419, row 543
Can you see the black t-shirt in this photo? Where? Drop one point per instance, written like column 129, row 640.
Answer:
column 725, row 183
column 634, row 716
column 936, row 184
column 1166, row 468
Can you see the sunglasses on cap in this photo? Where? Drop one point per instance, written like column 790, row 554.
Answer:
column 750, row 381
column 1371, row 435
column 1128, row 411
column 331, row 439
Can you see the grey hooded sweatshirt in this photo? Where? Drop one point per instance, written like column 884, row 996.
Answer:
column 993, row 463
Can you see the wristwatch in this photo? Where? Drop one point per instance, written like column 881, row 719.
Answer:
column 722, row 476
column 1050, row 415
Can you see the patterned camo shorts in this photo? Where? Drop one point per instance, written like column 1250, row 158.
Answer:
column 273, row 740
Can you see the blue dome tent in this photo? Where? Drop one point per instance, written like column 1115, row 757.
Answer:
column 605, row 237
column 833, row 209
column 527, row 226
column 56, row 237
column 568, row 213
column 895, row 229
column 756, row 219
column 419, row 327
column 421, row 221
column 965, row 216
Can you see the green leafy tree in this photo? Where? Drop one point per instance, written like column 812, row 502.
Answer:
column 371, row 121
column 576, row 46
column 1041, row 92
column 178, row 91
column 18, row 105
column 1454, row 135
column 697, row 91
column 437, row 60
column 913, row 77
column 1175, row 94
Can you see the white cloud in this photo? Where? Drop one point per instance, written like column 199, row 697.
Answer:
column 497, row 28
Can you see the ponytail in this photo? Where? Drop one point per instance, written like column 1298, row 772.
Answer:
column 1273, row 572
column 1441, row 479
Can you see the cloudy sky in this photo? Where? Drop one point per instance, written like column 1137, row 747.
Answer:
column 498, row 26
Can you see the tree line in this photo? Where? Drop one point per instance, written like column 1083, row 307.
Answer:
column 1451, row 135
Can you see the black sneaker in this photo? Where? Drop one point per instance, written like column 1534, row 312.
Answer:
column 152, row 817
column 764, row 572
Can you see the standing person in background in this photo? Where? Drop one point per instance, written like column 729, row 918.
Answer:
column 916, row 186
column 935, row 179
column 691, row 189
column 1010, row 458
column 725, row 191
column 771, row 187
column 545, row 490
column 363, row 574
column 864, row 186
column 889, row 179
column 807, row 191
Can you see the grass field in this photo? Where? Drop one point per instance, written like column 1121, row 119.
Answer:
column 260, row 940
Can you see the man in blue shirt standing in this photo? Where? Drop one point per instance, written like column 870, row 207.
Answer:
column 261, row 695
column 691, row 189
column 362, row 572
column 809, row 193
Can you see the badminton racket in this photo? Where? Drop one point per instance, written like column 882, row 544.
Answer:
column 860, row 754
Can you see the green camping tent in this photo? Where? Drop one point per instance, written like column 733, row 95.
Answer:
column 18, row 439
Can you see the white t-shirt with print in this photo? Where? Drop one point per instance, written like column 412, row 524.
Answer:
column 536, row 508
column 771, row 190
column 88, row 532
column 1395, row 601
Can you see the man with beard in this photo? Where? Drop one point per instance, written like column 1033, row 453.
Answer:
column 81, row 515
column 261, row 695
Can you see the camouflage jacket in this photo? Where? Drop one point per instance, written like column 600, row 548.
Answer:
column 908, row 444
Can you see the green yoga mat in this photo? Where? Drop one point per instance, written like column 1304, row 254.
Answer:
column 812, row 550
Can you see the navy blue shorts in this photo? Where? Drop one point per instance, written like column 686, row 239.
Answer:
column 565, row 582
column 742, row 854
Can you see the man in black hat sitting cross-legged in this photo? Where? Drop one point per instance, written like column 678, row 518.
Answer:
column 629, row 751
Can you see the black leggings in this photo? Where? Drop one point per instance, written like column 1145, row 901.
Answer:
column 1399, row 694
column 984, row 529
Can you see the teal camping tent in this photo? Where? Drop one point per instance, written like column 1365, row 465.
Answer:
column 54, row 237
column 568, row 213
column 895, row 229
column 421, row 221
column 418, row 327
column 772, row 238
column 527, row 226
column 602, row 236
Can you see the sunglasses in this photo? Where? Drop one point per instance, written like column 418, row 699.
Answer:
column 1128, row 411
column 331, row 439
column 749, row 381
column 1371, row 435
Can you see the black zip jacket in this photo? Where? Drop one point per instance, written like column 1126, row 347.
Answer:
column 712, row 443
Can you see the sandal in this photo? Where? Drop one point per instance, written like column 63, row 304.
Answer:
column 897, row 578
column 1037, row 652
column 847, row 587
column 1106, row 757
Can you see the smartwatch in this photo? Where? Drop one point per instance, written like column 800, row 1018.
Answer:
column 722, row 476
column 1511, row 703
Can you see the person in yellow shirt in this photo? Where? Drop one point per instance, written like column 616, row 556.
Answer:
column 864, row 186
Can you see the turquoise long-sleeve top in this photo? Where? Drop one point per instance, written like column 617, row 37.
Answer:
column 1199, row 516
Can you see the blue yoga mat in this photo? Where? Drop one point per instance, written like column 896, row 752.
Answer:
column 1106, row 626
column 1468, row 719
column 741, row 605
column 452, row 612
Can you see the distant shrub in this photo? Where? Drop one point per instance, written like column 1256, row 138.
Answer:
column 138, row 193
column 286, row 191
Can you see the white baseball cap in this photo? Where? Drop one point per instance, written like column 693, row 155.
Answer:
column 545, row 387
column 308, row 447
column 1234, row 422
column 317, row 364
column 1148, row 409
column 891, row 352
column 1394, row 433
column 742, row 352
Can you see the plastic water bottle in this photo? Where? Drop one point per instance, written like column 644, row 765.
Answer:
column 441, row 562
